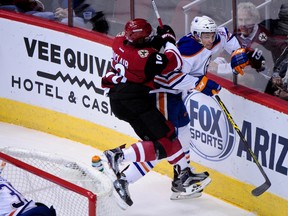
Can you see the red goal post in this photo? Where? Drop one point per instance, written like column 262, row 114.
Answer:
column 72, row 188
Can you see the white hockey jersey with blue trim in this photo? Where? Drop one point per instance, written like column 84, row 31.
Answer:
column 196, row 58
column 175, row 81
column 12, row 201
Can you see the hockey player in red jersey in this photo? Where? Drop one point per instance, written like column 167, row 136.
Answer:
column 134, row 66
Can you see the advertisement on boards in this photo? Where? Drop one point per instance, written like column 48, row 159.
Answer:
column 62, row 73
column 57, row 71
column 215, row 143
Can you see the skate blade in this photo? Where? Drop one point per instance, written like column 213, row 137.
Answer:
column 111, row 175
column 183, row 196
column 120, row 202
column 193, row 191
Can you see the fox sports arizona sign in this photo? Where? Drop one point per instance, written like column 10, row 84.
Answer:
column 212, row 135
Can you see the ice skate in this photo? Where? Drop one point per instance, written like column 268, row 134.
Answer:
column 121, row 187
column 114, row 158
column 187, row 185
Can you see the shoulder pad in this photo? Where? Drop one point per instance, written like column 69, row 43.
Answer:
column 224, row 32
column 187, row 46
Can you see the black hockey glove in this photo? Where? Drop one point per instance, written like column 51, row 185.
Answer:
column 256, row 59
column 167, row 33
column 157, row 42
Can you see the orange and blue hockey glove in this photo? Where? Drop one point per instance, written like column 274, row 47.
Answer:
column 207, row 87
column 239, row 60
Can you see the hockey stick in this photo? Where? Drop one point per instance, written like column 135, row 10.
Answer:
column 262, row 188
column 157, row 13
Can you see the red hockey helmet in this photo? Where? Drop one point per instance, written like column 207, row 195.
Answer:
column 137, row 30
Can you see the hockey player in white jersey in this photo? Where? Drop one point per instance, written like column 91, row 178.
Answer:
column 13, row 203
column 206, row 40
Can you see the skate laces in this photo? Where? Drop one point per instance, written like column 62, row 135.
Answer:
column 115, row 157
column 187, row 183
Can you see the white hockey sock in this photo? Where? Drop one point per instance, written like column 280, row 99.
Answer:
column 184, row 138
column 137, row 170
column 129, row 154
column 182, row 163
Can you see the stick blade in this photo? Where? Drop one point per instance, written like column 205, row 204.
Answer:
column 262, row 188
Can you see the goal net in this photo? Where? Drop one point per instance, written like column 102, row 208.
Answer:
column 72, row 188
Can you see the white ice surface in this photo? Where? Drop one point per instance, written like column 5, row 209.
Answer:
column 150, row 194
